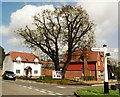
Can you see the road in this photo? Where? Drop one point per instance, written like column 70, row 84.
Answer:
column 25, row 87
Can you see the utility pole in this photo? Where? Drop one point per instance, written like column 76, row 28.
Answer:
column 106, row 86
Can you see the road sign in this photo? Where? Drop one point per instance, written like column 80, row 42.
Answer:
column 114, row 50
column 56, row 75
column 98, row 49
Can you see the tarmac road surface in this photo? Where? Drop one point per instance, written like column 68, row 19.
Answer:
column 26, row 87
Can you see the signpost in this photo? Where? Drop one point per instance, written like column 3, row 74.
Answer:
column 104, row 49
column 106, row 87
column 115, row 50
column 98, row 49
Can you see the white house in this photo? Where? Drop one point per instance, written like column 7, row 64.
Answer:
column 22, row 63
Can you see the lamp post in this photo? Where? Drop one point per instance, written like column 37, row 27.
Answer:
column 106, row 86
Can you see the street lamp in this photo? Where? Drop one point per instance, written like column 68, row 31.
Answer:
column 106, row 86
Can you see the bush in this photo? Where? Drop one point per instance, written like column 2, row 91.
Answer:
column 45, row 78
column 117, row 72
column 59, row 81
column 89, row 78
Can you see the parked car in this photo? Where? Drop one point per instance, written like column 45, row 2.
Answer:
column 9, row 75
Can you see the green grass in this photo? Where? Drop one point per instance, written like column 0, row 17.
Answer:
column 97, row 92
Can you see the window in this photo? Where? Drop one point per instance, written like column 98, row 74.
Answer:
column 18, row 71
column 35, row 71
column 18, row 62
column 18, row 59
column 98, row 72
column 98, row 63
column 36, row 63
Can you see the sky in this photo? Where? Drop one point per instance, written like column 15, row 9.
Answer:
column 17, row 14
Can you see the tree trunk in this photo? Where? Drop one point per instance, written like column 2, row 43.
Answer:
column 65, row 68
column 56, row 62
column 67, row 61
column 57, row 67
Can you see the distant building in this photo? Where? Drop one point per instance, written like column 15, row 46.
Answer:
column 22, row 63
column 2, row 55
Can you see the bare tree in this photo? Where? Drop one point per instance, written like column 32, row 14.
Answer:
column 68, row 26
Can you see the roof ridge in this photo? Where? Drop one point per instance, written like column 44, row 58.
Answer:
column 18, row 52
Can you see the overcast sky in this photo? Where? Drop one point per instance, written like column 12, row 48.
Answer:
column 18, row 14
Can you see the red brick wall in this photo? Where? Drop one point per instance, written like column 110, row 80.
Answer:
column 89, row 73
column 71, row 74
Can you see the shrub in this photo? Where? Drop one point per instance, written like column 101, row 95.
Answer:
column 45, row 78
column 117, row 72
column 58, row 81
column 89, row 78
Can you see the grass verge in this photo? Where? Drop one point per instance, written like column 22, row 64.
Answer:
column 60, row 81
column 54, row 81
column 97, row 92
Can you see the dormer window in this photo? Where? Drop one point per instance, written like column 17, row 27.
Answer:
column 18, row 59
column 36, row 61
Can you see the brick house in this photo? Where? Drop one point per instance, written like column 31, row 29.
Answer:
column 89, row 68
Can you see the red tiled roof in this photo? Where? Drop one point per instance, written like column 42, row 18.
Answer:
column 92, row 56
column 26, row 57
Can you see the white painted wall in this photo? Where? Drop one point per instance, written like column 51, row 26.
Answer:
column 8, row 64
column 13, row 66
column 34, row 67
column 20, row 66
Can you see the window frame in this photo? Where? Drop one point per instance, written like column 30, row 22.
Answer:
column 18, row 70
column 35, row 71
